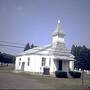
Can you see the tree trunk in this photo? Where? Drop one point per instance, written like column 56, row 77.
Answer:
column 1, row 64
column 82, row 77
column 7, row 64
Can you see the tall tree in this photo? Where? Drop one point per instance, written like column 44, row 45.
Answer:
column 32, row 46
column 27, row 47
column 82, row 57
column 73, row 49
column 6, row 58
column 1, row 59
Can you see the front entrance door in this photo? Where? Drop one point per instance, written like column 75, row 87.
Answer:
column 22, row 67
column 60, row 65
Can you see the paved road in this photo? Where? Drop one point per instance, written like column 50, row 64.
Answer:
column 11, row 81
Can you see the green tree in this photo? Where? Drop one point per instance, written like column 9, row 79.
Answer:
column 82, row 57
column 32, row 46
column 73, row 49
column 27, row 47
column 1, row 59
column 6, row 59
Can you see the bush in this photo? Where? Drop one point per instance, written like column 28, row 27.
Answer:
column 75, row 74
column 61, row 74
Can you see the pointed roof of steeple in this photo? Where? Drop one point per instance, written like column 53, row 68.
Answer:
column 58, row 30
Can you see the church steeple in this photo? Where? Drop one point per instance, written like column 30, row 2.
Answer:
column 58, row 34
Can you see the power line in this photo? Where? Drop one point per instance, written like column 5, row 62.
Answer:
column 11, row 42
column 11, row 46
column 10, row 50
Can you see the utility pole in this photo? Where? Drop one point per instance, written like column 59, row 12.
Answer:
column 82, row 77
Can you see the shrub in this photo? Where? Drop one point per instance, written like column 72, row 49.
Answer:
column 61, row 74
column 75, row 74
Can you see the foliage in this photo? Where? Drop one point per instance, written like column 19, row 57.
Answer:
column 6, row 58
column 82, row 57
column 27, row 47
column 61, row 74
column 32, row 46
column 75, row 74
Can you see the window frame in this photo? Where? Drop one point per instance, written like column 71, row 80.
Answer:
column 28, row 63
column 49, row 61
column 19, row 61
column 43, row 63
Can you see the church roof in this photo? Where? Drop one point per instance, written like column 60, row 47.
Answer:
column 33, row 50
column 58, row 30
column 58, row 51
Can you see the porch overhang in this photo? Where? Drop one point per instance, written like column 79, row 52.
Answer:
column 64, row 58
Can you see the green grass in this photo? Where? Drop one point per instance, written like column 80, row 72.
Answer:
column 61, row 83
column 5, row 67
column 56, row 83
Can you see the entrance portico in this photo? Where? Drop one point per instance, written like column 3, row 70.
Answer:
column 62, row 65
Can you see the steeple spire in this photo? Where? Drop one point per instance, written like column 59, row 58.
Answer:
column 58, row 30
column 58, row 34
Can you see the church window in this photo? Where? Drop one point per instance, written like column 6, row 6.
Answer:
column 19, row 61
column 43, row 61
column 28, row 61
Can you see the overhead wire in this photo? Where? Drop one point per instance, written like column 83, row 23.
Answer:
column 11, row 46
column 11, row 42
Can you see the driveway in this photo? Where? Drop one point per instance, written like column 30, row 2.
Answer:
column 15, row 81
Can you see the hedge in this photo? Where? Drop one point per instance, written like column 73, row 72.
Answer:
column 75, row 74
column 61, row 74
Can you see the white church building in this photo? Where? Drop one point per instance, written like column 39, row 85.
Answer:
column 48, row 58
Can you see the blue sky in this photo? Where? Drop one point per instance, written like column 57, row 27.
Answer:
column 33, row 21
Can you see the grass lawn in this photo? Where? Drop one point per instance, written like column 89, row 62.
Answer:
column 7, row 68
column 61, row 83
column 56, row 83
